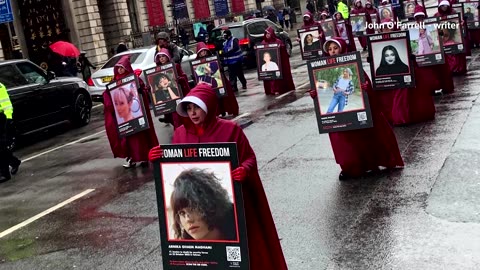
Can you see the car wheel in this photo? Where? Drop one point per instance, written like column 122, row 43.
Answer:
column 288, row 46
column 82, row 109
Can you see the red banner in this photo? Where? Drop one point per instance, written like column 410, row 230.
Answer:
column 156, row 16
column 238, row 6
column 202, row 9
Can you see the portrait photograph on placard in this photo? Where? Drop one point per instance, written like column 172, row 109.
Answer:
column 359, row 23
column 342, row 30
column 471, row 14
column 164, row 89
column 386, row 13
column 310, row 43
column 390, row 58
column 452, row 35
column 130, row 113
column 424, row 40
column 339, row 89
column 268, row 62
column 200, row 207
column 328, row 27
column 190, row 215
column 340, row 103
column 209, row 72
column 409, row 8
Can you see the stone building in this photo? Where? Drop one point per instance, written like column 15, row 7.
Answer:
column 97, row 26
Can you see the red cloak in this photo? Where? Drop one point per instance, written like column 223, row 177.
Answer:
column 135, row 146
column 227, row 104
column 362, row 150
column 286, row 84
column 264, row 246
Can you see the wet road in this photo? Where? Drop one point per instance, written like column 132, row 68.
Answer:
column 422, row 217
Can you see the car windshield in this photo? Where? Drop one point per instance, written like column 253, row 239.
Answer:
column 134, row 59
column 236, row 32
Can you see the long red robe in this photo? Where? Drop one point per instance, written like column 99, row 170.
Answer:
column 227, row 104
column 362, row 150
column 286, row 84
column 264, row 246
column 135, row 146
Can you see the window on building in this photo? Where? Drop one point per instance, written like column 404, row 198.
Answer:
column 10, row 77
column 132, row 13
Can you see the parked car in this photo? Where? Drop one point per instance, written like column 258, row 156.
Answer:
column 141, row 59
column 249, row 33
column 40, row 100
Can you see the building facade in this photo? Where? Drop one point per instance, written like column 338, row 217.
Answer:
column 98, row 26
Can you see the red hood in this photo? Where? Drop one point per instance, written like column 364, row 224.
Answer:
column 125, row 63
column 203, row 96
column 449, row 9
column 310, row 21
column 419, row 10
column 163, row 51
column 202, row 46
column 273, row 37
column 339, row 41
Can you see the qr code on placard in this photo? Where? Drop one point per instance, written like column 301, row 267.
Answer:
column 233, row 254
column 141, row 121
column 438, row 56
column 277, row 73
column 221, row 91
column 362, row 116
column 407, row 78
column 460, row 47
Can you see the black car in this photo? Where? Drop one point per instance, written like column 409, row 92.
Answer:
column 249, row 33
column 40, row 100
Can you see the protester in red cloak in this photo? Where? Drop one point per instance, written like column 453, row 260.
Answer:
column 440, row 76
column 359, row 9
column 227, row 104
column 345, row 31
column 456, row 62
column 182, row 80
column 275, row 87
column 134, row 147
column 371, row 10
column 308, row 21
column 202, row 126
column 363, row 150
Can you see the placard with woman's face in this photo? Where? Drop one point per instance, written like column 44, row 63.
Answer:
column 208, row 70
column 269, row 62
column 359, row 24
column 391, row 64
column 426, row 43
column 164, row 88
column 310, row 42
column 452, row 34
column 386, row 13
column 128, row 104
column 409, row 8
column 328, row 27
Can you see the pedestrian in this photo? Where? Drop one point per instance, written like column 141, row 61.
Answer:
column 279, row 86
column 227, row 104
column 163, row 41
column 343, row 9
column 371, row 12
column 363, row 151
column 85, row 66
column 7, row 135
column 281, row 18
column 309, row 21
column 133, row 148
column 201, row 125
column 162, row 58
column 286, row 18
column 122, row 47
column 272, row 16
column 233, row 58
column 202, row 34
column 456, row 62
column 440, row 76
column 185, row 38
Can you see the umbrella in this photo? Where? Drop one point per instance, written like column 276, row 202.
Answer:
column 65, row 49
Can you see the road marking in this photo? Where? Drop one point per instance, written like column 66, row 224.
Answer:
column 44, row 213
column 98, row 105
column 285, row 94
column 62, row 146
column 240, row 116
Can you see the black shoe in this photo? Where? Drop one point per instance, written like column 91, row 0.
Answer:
column 244, row 87
column 4, row 178
column 364, row 49
column 14, row 169
column 144, row 164
column 343, row 176
column 235, row 89
column 162, row 120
